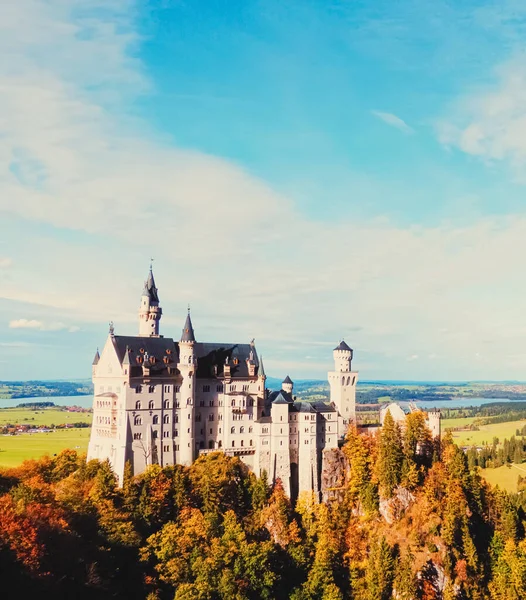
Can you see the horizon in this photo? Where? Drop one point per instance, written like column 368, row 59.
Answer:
column 301, row 174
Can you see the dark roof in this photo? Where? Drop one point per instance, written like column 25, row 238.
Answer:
column 211, row 359
column 97, row 358
column 287, row 380
column 303, row 407
column 188, row 330
column 273, row 396
column 320, row 406
column 343, row 346
column 149, row 288
column 128, row 348
column 280, row 399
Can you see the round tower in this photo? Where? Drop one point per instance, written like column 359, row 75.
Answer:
column 149, row 312
column 342, row 382
column 187, row 367
column 287, row 385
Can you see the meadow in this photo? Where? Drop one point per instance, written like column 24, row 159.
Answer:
column 485, row 434
column 16, row 448
column 43, row 416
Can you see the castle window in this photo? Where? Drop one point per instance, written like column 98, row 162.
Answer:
column 166, row 388
column 206, row 388
column 211, row 403
column 201, row 444
column 166, row 434
column 177, row 404
column 281, row 443
column 189, row 401
column 220, row 417
column 167, row 404
column 220, row 430
column 176, row 433
column 250, row 401
column 232, row 430
column 151, row 389
column 233, row 444
column 177, row 388
column 241, row 430
column 210, row 417
column 137, row 420
column 166, row 419
column 329, row 416
column 166, row 448
column 250, row 431
column 138, row 389
column 210, row 444
column 245, row 388
column 242, row 443
column 353, row 380
column 306, row 441
column 220, row 388
column 343, row 380
column 155, row 419
column 151, row 405
column 155, row 434
column 233, row 403
column 198, row 417
column 138, row 405
column 201, row 402
column 233, row 388
column 211, row 431
column 177, row 447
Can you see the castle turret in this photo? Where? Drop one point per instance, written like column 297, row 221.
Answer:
column 287, row 385
column 149, row 312
column 342, row 382
column 187, row 367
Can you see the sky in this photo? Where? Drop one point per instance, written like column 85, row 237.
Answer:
column 300, row 172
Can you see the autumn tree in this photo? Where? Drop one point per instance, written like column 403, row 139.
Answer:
column 390, row 456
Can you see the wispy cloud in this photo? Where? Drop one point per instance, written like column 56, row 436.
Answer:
column 393, row 121
column 41, row 326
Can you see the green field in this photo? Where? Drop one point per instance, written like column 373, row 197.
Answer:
column 16, row 448
column 485, row 434
column 44, row 416
column 505, row 477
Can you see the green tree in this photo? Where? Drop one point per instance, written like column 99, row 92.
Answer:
column 390, row 457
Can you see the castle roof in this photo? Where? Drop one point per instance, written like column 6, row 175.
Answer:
column 261, row 370
column 287, row 380
column 149, row 288
column 188, row 330
column 280, row 399
column 96, row 358
column 274, row 396
column 343, row 346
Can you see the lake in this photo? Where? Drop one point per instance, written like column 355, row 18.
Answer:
column 87, row 401
column 84, row 401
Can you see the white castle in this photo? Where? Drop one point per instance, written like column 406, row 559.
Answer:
column 157, row 400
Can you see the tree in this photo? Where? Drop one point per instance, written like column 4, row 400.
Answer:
column 390, row 457
column 380, row 571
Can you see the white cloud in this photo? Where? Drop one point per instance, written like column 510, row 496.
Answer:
column 491, row 122
column 41, row 326
column 5, row 262
column 393, row 120
column 249, row 262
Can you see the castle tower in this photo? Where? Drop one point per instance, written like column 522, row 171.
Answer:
column 342, row 383
column 149, row 312
column 287, row 385
column 187, row 366
column 279, row 442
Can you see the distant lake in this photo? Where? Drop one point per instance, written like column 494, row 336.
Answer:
column 459, row 402
column 84, row 401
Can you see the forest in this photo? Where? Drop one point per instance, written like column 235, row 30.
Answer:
column 409, row 519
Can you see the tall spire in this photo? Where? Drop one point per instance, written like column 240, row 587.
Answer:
column 188, row 329
column 261, row 370
column 149, row 287
column 96, row 359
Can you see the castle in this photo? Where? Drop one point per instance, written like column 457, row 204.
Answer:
column 157, row 400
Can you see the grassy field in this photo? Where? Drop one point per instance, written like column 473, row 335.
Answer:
column 16, row 448
column 485, row 434
column 45, row 416
column 505, row 477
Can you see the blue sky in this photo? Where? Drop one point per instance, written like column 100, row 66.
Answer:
column 301, row 172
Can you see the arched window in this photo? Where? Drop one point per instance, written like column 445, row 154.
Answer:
column 233, row 444
column 155, row 419
column 189, row 360
column 151, row 405
column 250, row 429
column 343, row 380
column 242, row 443
column 211, row 417
column 348, row 380
column 233, row 402
column 166, row 419
column 232, row 430
column 138, row 405
column 176, row 419
column 137, row 420
column 151, row 389
column 250, row 443
column 241, row 430
column 167, row 404
column 220, row 444
column 189, row 401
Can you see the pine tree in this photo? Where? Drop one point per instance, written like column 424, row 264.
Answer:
column 390, row 457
